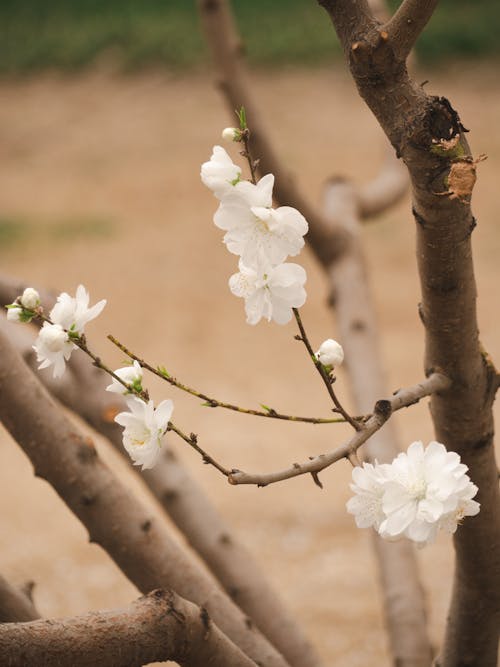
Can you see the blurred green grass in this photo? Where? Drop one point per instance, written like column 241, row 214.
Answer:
column 71, row 34
column 21, row 232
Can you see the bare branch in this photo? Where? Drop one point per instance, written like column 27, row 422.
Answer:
column 82, row 389
column 212, row 402
column 405, row 26
column 15, row 605
column 388, row 187
column 157, row 627
column 401, row 590
column 139, row 545
column 381, row 413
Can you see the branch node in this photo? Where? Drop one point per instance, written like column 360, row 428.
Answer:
column 383, row 408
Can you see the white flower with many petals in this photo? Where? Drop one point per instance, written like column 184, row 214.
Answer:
column 53, row 348
column 73, row 313
column 220, row 174
column 144, row 428
column 419, row 493
column 270, row 292
column 255, row 231
column 30, row 298
column 330, row 353
column 368, row 486
column 132, row 375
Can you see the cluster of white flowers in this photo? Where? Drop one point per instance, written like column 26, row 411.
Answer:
column 68, row 318
column 261, row 235
column 421, row 492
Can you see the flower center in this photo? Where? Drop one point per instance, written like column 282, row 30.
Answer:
column 418, row 489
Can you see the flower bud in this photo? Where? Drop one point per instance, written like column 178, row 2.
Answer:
column 30, row 298
column 231, row 134
column 330, row 353
column 14, row 314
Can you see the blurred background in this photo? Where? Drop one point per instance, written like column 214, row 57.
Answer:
column 72, row 34
column 107, row 110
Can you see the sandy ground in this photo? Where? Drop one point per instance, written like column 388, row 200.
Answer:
column 101, row 175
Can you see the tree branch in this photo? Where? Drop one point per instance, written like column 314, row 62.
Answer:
column 82, row 389
column 427, row 133
column 404, row 28
column 15, row 605
column 157, row 627
column 401, row 590
column 384, row 191
column 381, row 413
column 139, row 545
column 212, row 402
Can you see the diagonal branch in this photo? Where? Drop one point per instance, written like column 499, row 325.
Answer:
column 382, row 411
column 140, row 545
column 404, row 28
column 82, row 389
column 157, row 627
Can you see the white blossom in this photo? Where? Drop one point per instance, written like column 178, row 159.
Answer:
column 53, row 348
column 330, row 353
column 421, row 492
column 132, row 375
column 30, row 298
column 255, row 231
column 73, row 313
column 220, row 174
column 14, row 313
column 144, row 428
column 269, row 292
column 368, row 485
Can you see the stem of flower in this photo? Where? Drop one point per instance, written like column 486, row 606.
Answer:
column 327, row 380
column 211, row 402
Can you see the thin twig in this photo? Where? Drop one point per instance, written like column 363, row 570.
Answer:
column 327, row 379
column 211, row 402
column 192, row 441
column 382, row 412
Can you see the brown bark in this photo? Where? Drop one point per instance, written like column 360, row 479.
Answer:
column 158, row 627
column 138, row 544
column 15, row 605
column 82, row 389
column 426, row 132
